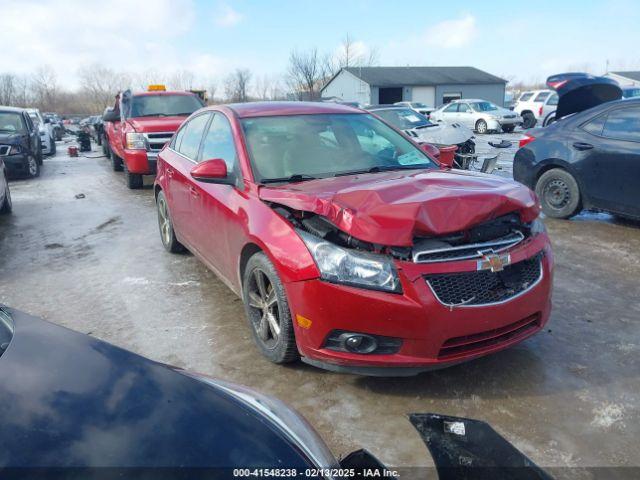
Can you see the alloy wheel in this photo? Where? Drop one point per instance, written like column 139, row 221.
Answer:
column 263, row 302
column 164, row 221
column 482, row 127
column 32, row 165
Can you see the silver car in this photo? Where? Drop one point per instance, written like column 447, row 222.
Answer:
column 479, row 115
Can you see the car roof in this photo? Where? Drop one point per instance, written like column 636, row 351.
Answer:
column 269, row 109
column 11, row 109
column 160, row 92
column 386, row 107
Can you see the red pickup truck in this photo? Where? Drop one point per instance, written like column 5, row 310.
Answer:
column 140, row 124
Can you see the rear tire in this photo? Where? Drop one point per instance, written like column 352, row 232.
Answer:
column 481, row 126
column 551, row 119
column 267, row 309
column 134, row 180
column 7, row 204
column 528, row 120
column 559, row 194
column 167, row 233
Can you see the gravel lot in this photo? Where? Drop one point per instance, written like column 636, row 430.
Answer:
column 570, row 396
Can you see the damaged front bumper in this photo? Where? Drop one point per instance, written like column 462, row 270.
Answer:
column 431, row 333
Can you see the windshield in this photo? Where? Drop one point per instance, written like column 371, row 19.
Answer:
column 403, row 118
column 483, row 106
column 164, row 105
column 11, row 122
column 325, row 145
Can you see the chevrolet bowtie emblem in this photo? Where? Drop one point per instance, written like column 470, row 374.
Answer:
column 493, row 261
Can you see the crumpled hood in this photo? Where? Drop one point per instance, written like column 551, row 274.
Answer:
column 156, row 124
column 444, row 134
column 391, row 208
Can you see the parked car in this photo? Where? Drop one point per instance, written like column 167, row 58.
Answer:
column 630, row 92
column 423, row 130
column 47, row 137
column 77, row 407
column 294, row 203
column 5, row 194
column 56, row 124
column 479, row 115
column 537, row 107
column 419, row 107
column 588, row 160
column 140, row 125
column 19, row 142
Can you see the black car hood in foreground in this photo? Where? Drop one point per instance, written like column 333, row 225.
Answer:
column 580, row 91
column 69, row 400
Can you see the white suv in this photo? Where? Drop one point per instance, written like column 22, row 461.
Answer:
column 537, row 107
column 47, row 136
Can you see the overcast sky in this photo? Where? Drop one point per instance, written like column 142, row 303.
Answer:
column 512, row 39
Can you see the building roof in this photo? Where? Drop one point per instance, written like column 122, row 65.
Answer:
column 401, row 76
column 633, row 75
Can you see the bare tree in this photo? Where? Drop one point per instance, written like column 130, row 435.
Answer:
column 305, row 73
column 352, row 54
column 212, row 89
column 99, row 85
column 182, row 80
column 236, row 85
column 7, row 89
column 44, row 84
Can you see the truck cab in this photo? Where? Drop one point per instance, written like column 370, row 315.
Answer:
column 140, row 124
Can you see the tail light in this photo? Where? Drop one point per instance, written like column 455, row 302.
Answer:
column 540, row 111
column 526, row 140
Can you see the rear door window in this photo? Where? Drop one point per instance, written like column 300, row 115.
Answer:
column 542, row 96
column 595, row 125
column 623, row 124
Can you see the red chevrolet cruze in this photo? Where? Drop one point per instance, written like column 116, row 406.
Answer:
column 351, row 247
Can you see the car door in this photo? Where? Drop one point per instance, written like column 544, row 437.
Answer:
column 450, row 113
column 466, row 116
column 33, row 133
column 612, row 160
column 215, row 206
column 180, row 158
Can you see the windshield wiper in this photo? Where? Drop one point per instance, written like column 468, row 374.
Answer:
column 385, row 168
column 297, row 177
column 151, row 115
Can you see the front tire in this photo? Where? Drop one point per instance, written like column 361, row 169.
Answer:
column 167, row 233
column 33, row 167
column 481, row 126
column 134, row 180
column 52, row 152
column 267, row 309
column 559, row 194
column 528, row 120
column 7, row 205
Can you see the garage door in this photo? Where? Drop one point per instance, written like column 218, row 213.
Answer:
column 426, row 95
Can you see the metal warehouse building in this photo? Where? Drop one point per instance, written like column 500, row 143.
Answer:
column 432, row 86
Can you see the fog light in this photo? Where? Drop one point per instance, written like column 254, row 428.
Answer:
column 361, row 343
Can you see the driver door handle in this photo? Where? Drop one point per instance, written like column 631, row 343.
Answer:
column 194, row 192
column 169, row 172
column 582, row 146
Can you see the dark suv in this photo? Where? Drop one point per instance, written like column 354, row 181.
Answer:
column 19, row 143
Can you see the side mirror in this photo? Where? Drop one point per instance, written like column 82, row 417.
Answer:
column 212, row 171
column 112, row 116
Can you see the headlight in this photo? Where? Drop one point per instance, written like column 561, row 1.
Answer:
column 290, row 422
column 135, row 141
column 350, row 267
column 537, row 226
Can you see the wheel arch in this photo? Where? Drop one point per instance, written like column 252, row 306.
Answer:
column 552, row 163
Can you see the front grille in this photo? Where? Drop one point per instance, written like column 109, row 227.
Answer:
column 477, row 341
column 465, row 252
column 485, row 287
column 157, row 140
column 4, row 150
